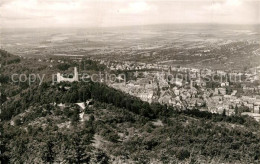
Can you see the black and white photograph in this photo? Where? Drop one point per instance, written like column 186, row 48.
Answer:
column 130, row 81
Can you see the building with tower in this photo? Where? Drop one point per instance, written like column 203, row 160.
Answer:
column 75, row 77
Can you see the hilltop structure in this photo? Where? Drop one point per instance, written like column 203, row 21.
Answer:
column 60, row 78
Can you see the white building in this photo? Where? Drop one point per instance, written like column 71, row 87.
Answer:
column 60, row 78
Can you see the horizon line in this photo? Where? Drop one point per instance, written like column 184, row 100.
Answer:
column 81, row 27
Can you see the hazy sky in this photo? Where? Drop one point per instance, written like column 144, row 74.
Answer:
column 100, row 13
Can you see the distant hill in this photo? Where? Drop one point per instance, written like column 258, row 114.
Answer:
column 7, row 58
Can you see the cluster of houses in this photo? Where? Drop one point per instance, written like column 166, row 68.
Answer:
column 181, row 94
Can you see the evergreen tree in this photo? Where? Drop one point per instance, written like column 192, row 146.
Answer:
column 48, row 154
column 236, row 110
